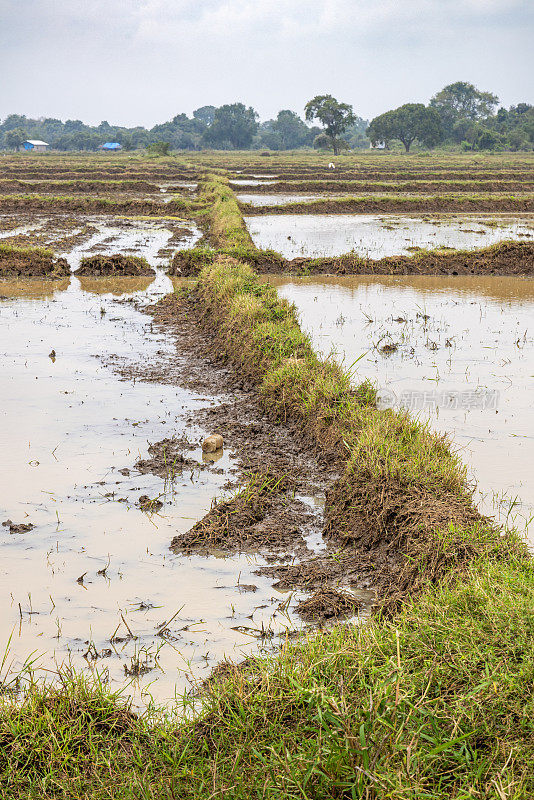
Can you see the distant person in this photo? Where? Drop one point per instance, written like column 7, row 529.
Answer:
column 331, row 166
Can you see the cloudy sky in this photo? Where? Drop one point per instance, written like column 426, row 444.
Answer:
column 143, row 61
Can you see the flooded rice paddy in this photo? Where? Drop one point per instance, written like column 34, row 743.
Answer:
column 373, row 236
column 277, row 199
column 92, row 582
column 458, row 352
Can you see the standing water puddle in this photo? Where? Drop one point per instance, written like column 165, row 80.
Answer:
column 277, row 199
column 94, row 583
column 372, row 236
column 459, row 352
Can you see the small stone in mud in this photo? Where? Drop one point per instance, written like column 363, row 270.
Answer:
column 212, row 443
column 21, row 527
column 146, row 504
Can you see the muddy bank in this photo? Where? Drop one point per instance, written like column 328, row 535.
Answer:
column 31, row 263
column 278, row 463
column 412, row 175
column 380, row 205
column 98, row 173
column 100, row 205
column 263, row 516
column 117, row 265
column 275, row 509
column 504, row 258
column 389, row 187
column 188, row 263
column 77, row 186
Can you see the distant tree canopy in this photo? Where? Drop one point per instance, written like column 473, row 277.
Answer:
column 205, row 114
column 408, row 123
column 334, row 116
column 462, row 101
column 467, row 118
column 233, row 126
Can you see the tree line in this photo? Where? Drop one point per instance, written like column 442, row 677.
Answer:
column 459, row 115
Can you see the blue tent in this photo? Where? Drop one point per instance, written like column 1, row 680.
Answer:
column 111, row 146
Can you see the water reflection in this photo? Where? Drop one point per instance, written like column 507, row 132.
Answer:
column 457, row 351
column 373, row 236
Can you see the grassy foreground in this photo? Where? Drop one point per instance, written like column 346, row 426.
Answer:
column 438, row 704
column 434, row 698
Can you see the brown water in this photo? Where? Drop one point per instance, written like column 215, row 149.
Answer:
column 277, row 199
column 464, row 360
column 69, row 425
column 374, row 236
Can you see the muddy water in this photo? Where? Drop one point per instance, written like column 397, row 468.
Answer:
column 373, row 236
column 96, row 571
column 458, row 352
column 276, row 199
column 94, row 581
column 250, row 182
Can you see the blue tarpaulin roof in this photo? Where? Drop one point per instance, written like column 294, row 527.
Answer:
column 111, row 146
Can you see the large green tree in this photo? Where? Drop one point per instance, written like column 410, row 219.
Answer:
column 462, row 101
column 293, row 132
column 334, row 116
column 408, row 123
column 233, row 125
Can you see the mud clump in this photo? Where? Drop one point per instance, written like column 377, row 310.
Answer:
column 258, row 516
column 148, row 504
column 117, row 265
column 21, row 527
column 167, row 459
column 31, row 262
column 327, row 604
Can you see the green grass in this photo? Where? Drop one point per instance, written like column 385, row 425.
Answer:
column 437, row 704
column 7, row 250
column 226, row 225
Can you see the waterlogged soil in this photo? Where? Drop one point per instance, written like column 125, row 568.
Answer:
column 275, row 199
column 107, row 395
column 77, row 236
column 373, row 236
column 456, row 351
column 104, row 415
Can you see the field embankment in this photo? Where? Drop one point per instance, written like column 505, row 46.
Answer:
column 182, row 207
column 117, row 265
column 31, row 262
column 458, row 204
column 422, row 186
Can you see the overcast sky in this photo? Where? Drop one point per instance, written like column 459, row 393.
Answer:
column 143, row 61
